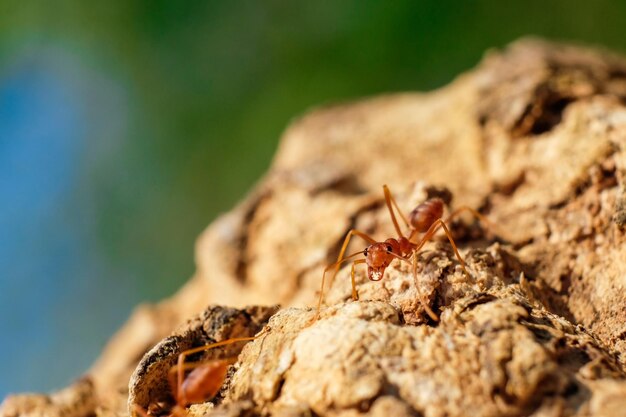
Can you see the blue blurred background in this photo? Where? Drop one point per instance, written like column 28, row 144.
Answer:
column 127, row 126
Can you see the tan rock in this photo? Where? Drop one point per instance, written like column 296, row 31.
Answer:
column 535, row 139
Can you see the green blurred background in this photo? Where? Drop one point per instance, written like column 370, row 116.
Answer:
column 127, row 126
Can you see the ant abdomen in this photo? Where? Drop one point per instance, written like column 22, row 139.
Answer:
column 204, row 382
column 424, row 215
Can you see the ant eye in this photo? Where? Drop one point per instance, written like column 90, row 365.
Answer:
column 389, row 248
column 365, row 252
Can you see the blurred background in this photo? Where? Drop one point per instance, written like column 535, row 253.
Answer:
column 127, row 126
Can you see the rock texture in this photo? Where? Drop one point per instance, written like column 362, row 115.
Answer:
column 535, row 139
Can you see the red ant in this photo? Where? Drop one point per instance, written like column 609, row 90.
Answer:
column 425, row 218
column 203, row 382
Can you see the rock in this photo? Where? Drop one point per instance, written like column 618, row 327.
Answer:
column 534, row 138
column 77, row 400
column 494, row 352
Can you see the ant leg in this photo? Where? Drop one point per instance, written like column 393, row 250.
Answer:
column 321, row 297
column 413, row 263
column 344, row 246
column 391, row 202
column 486, row 223
column 180, row 371
column 355, row 295
column 427, row 308
column 429, row 234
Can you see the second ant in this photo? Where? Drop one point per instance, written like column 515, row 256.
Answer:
column 197, row 382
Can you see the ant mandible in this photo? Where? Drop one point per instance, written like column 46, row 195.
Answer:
column 203, row 382
column 425, row 218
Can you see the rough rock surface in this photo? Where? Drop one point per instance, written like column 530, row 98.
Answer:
column 535, row 139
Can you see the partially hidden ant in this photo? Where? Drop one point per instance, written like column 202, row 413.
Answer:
column 203, row 382
column 425, row 218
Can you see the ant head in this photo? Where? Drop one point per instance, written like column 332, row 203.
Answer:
column 378, row 256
